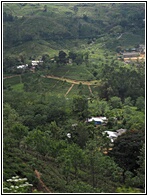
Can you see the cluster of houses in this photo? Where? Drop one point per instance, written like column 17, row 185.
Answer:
column 33, row 63
column 112, row 135
column 133, row 54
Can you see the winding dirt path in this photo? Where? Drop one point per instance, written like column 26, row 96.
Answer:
column 69, row 89
column 93, row 82
column 38, row 175
column 5, row 77
column 90, row 90
column 71, row 81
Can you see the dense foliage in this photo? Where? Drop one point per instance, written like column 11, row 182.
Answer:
column 46, row 137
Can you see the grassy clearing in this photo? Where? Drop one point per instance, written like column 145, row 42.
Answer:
column 18, row 87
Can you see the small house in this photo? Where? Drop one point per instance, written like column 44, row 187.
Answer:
column 35, row 63
column 130, row 54
column 69, row 135
column 111, row 135
column 121, row 131
column 114, row 135
column 97, row 120
column 22, row 66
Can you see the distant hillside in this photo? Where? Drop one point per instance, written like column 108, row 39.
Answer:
column 40, row 27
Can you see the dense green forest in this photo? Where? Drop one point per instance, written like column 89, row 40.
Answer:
column 49, row 144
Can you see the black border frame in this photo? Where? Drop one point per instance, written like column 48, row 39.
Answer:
column 136, row 1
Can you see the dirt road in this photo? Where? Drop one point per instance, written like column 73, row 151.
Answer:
column 43, row 186
column 5, row 77
column 94, row 82
column 89, row 83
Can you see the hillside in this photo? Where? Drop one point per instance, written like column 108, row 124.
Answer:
column 30, row 28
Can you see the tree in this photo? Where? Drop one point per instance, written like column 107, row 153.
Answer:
column 121, row 82
column 80, row 106
column 128, row 101
column 56, row 109
column 103, row 107
column 80, row 135
column 46, row 59
column 115, row 102
column 22, row 57
column 9, row 62
column 35, row 141
column 10, row 116
column 75, row 8
column 72, row 55
column 19, row 131
column 71, row 158
column 45, row 8
column 86, row 56
column 77, row 186
column 140, row 103
column 85, row 17
column 127, row 149
column 104, row 172
column 139, row 179
column 133, row 120
column 55, row 130
column 79, row 59
column 7, row 17
column 62, row 57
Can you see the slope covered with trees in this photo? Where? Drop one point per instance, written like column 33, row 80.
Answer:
column 31, row 26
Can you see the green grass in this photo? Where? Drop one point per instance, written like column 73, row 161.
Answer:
column 34, row 48
column 18, row 87
column 131, row 39
column 83, row 90
column 56, row 86
column 78, row 72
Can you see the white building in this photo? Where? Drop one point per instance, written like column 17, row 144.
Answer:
column 35, row 63
column 22, row 66
column 112, row 135
column 97, row 120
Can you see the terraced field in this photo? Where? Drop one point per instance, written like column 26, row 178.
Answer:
column 55, row 85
